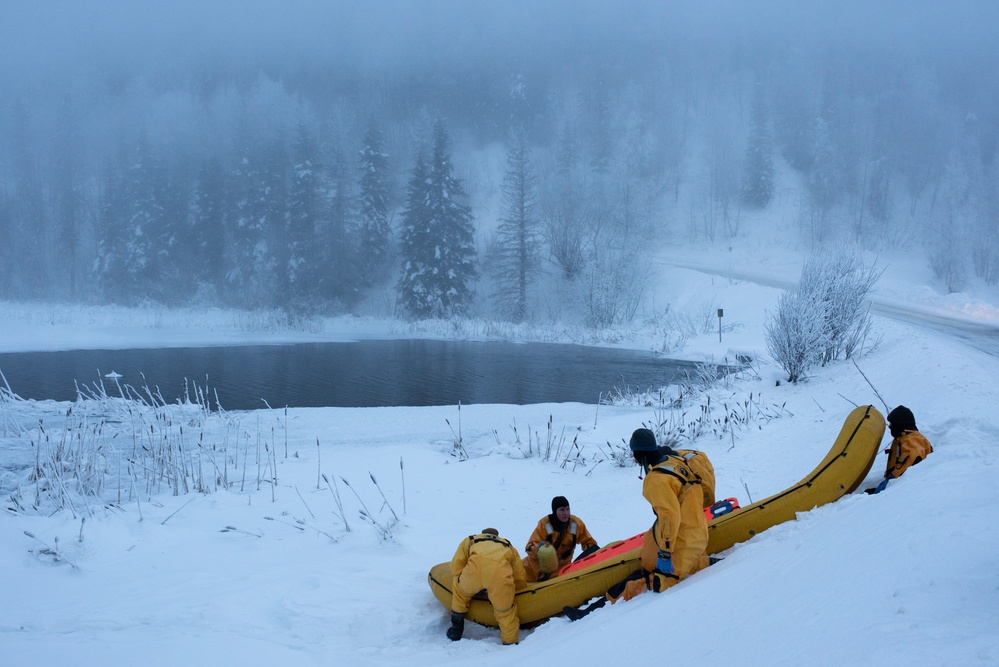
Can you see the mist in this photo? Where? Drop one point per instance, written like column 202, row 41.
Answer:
column 133, row 137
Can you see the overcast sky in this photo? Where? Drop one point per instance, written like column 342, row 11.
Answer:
column 44, row 40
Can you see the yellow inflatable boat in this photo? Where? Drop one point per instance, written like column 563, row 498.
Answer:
column 839, row 473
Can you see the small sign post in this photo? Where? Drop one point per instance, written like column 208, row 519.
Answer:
column 720, row 314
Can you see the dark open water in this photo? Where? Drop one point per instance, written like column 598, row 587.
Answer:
column 358, row 374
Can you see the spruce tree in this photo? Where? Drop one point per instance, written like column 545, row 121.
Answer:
column 127, row 223
column 144, row 231
column 171, row 278
column 28, row 211
column 438, row 239
column 143, row 219
column 208, row 222
column 69, row 204
column 375, row 232
column 109, row 264
column 416, row 242
column 758, row 177
column 339, row 275
column 821, row 181
column 515, row 257
column 300, row 270
column 879, row 199
column 257, row 226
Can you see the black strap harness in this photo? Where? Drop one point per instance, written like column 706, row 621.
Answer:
column 485, row 537
column 682, row 474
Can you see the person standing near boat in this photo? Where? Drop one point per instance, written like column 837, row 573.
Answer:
column 553, row 542
column 487, row 561
column 908, row 446
column 676, row 544
column 700, row 465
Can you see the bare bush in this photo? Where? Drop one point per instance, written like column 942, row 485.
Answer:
column 826, row 318
column 947, row 263
column 841, row 283
column 795, row 335
column 985, row 256
column 614, row 289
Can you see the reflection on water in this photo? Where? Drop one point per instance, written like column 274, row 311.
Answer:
column 359, row 374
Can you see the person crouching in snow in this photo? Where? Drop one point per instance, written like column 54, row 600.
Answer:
column 675, row 546
column 554, row 540
column 487, row 561
column 908, row 446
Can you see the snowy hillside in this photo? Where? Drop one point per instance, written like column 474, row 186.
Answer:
column 267, row 573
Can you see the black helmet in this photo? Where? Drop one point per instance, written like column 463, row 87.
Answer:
column 643, row 440
column 559, row 501
column 901, row 420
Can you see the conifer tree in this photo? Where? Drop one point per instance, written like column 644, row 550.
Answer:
column 257, row 225
column 300, row 268
column 821, row 182
column 142, row 228
column 340, row 272
column 143, row 225
column 758, row 177
column 375, row 232
column 416, row 243
column 438, row 239
column 109, row 265
column 515, row 257
column 28, row 212
column 879, row 200
column 208, row 223
column 68, row 201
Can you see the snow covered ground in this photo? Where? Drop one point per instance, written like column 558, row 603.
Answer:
column 267, row 573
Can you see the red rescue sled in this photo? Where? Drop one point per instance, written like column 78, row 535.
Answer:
column 720, row 508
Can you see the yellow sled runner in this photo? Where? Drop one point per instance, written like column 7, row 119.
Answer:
column 839, row 473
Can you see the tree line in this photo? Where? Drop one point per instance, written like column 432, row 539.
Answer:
column 527, row 196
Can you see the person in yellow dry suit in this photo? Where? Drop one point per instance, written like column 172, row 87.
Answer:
column 487, row 561
column 908, row 446
column 553, row 542
column 676, row 544
column 700, row 465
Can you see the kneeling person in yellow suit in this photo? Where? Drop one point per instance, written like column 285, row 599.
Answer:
column 487, row 561
column 553, row 542
column 908, row 446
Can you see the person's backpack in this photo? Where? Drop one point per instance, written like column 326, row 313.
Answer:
column 700, row 465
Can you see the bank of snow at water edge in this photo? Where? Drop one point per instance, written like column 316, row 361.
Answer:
column 272, row 576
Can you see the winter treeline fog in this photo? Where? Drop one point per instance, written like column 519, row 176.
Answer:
column 514, row 161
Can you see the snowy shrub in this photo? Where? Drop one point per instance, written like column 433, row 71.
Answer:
column 985, row 256
column 795, row 334
column 841, row 283
column 614, row 288
column 827, row 318
column 947, row 263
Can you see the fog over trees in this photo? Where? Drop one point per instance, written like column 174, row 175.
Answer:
column 518, row 160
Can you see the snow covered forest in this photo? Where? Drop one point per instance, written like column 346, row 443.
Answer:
column 521, row 161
